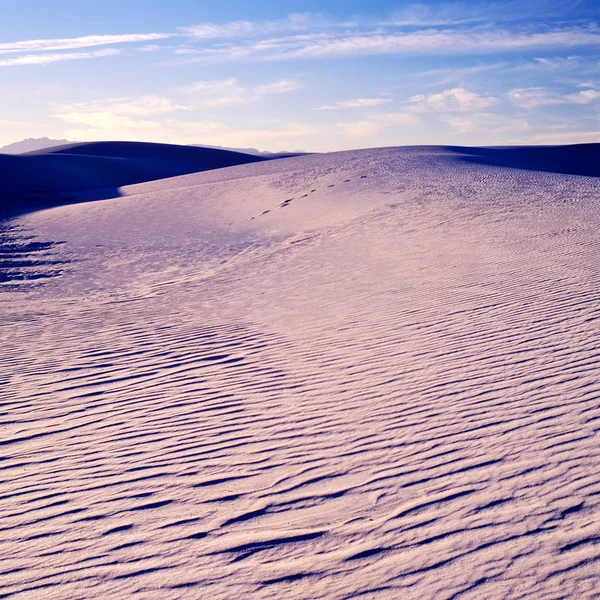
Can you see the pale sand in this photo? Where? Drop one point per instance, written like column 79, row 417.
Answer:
column 386, row 386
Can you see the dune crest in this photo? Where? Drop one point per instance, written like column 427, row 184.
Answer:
column 51, row 175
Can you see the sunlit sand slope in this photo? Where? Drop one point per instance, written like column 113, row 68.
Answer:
column 370, row 374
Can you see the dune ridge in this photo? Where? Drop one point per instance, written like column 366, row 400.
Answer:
column 46, row 176
column 367, row 374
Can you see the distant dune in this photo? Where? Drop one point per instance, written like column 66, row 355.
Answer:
column 575, row 159
column 37, row 177
column 256, row 152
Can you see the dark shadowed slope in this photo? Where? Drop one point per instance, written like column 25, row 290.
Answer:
column 256, row 152
column 577, row 159
column 37, row 178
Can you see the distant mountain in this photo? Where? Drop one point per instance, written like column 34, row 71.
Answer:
column 254, row 151
column 31, row 145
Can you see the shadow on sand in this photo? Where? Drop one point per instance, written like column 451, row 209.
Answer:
column 96, row 171
column 577, row 159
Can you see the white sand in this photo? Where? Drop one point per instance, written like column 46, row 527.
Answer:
column 385, row 388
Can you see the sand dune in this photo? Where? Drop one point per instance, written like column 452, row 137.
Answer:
column 576, row 159
column 367, row 374
column 37, row 178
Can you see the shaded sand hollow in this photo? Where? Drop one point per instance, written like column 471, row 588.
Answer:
column 369, row 374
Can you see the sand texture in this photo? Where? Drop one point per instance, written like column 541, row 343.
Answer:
column 367, row 374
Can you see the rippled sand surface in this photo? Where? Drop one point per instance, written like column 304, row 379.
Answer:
column 370, row 374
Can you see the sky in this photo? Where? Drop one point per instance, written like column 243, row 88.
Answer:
column 301, row 75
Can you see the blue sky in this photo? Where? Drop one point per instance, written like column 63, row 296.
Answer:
column 307, row 75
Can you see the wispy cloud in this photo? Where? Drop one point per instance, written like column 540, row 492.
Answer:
column 119, row 118
column 567, row 137
column 448, row 74
column 226, row 92
column 107, row 126
column 150, row 48
column 204, row 31
column 398, row 118
column 221, row 92
column 87, row 41
column 488, row 122
column 283, row 86
column 363, row 128
column 346, row 43
column 376, row 122
column 132, row 106
column 457, row 13
column 455, row 99
column 356, row 103
column 536, row 97
column 44, row 59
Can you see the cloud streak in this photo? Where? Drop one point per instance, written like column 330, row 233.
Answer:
column 87, row 41
column 529, row 98
column 453, row 100
column 478, row 41
column 356, row 103
column 235, row 29
column 45, row 59
column 226, row 92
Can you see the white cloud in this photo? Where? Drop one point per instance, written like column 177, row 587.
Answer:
column 397, row 118
column 353, row 41
column 212, row 30
column 45, row 59
column 559, row 62
column 186, row 51
column 283, row 86
column 448, row 74
column 150, row 48
column 356, row 103
column 455, row 99
column 82, row 112
column 535, row 97
column 571, row 137
column 219, row 92
column 100, row 126
column 376, row 122
column 149, row 118
column 204, row 31
column 289, row 131
column 532, row 97
column 117, row 127
column 488, row 122
column 86, row 41
column 226, row 92
column 360, row 128
column 583, row 97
